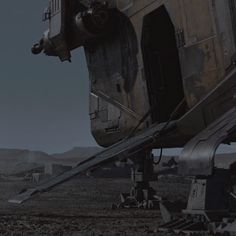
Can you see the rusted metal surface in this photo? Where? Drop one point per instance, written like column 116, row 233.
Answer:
column 134, row 75
column 205, row 53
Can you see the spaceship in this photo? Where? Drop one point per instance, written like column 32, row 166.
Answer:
column 162, row 75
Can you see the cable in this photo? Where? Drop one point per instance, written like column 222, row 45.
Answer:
column 161, row 132
column 171, row 118
column 160, row 157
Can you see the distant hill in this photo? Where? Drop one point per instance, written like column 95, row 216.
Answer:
column 13, row 161
column 83, row 152
column 76, row 155
column 23, row 155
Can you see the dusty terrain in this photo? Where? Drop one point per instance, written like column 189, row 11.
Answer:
column 82, row 206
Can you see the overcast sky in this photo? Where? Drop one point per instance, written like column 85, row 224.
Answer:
column 43, row 102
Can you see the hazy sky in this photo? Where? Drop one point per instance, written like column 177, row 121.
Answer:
column 43, row 102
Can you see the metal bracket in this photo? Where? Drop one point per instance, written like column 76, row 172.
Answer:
column 197, row 157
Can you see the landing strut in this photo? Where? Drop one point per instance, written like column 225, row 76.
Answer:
column 211, row 205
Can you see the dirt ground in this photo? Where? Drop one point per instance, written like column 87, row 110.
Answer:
column 82, row 207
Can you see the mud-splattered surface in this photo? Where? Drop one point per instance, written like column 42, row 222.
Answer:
column 82, row 207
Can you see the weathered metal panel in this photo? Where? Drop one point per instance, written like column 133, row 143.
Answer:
column 224, row 17
column 115, row 71
column 200, row 55
column 205, row 38
column 215, row 104
column 205, row 52
column 198, row 21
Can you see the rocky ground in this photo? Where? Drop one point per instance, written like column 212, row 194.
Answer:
column 82, row 206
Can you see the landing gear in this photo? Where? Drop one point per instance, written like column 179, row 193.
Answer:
column 142, row 195
column 211, row 205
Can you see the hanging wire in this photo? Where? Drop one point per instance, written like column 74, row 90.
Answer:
column 160, row 132
column 160, row 157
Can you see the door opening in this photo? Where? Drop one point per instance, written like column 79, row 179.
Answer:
column 161, row 64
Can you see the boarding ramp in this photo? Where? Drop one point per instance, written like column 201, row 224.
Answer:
column 145, row 140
